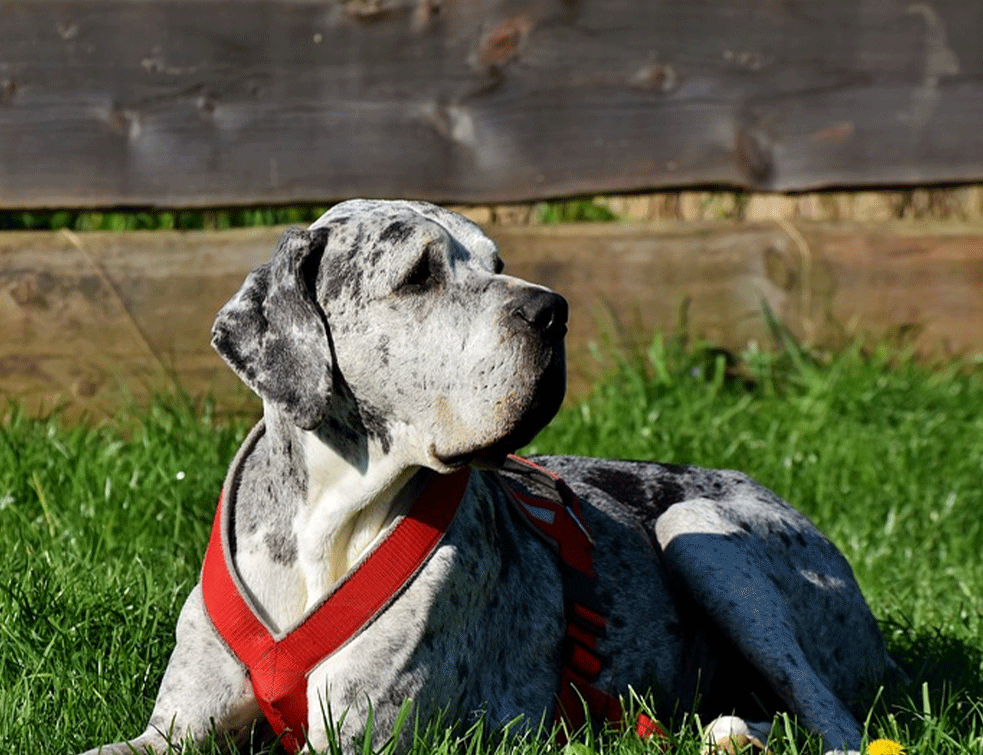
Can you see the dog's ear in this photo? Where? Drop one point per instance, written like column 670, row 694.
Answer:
column 274, row 335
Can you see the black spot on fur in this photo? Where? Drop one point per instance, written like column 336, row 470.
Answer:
column 311, row 266
column 282, row 548
column 342, row 277
column 357, row 240
column 375, row 425
column 396, row 232
column 620, row 485
column 227, row 345
column 667, row 494
column 628, row 488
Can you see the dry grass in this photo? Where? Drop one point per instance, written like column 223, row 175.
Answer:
column 958, row 203
column 962, row 203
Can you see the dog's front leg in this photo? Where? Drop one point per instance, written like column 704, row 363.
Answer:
column 204, row 688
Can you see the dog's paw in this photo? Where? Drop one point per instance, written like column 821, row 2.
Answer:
column 731, row 735
column 149, row 743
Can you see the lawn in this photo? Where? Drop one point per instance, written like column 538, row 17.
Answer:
column 102, row 528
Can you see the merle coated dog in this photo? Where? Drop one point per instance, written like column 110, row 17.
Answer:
column 388, row 347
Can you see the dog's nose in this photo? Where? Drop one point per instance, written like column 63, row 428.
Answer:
column 545, row 312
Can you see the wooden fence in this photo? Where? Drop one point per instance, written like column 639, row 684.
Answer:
column 93, row 320
column 204, row 103
column 212, row 103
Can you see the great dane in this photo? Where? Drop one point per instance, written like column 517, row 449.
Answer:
column 389, row 349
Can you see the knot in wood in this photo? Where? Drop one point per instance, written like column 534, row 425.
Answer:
column 501, row 44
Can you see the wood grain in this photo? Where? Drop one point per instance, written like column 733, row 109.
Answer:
column 93, row 321
column 205, row 103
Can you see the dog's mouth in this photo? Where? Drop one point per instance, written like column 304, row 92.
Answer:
column 528, row 418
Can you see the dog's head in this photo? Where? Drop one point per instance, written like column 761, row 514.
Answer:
column 402, row 308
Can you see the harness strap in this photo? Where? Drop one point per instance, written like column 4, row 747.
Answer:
column 278, row 666
column 562, row 525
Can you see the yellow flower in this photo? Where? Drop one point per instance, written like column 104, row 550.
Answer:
column 884, row 747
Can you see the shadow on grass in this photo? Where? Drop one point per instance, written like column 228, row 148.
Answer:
column 946, row 681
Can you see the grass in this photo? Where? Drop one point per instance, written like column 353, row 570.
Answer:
column 102, row 529
column 156, row 220
column 568, row 211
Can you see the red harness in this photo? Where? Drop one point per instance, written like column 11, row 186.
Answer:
column 278, row 665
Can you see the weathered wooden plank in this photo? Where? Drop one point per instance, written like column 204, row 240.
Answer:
column 225, row 102
column 94, row 320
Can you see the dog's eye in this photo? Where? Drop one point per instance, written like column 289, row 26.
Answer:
column 420, row 276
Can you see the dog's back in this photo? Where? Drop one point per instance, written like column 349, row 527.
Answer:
column 746, row 583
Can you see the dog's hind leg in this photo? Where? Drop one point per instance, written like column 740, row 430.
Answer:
column 769, row 597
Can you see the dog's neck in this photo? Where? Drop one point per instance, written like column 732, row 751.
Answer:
column 297, row 537
column 346, row 508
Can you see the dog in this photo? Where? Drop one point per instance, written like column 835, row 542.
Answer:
column 391, row 352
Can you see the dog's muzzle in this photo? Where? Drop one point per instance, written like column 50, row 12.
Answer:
column 535, row 323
